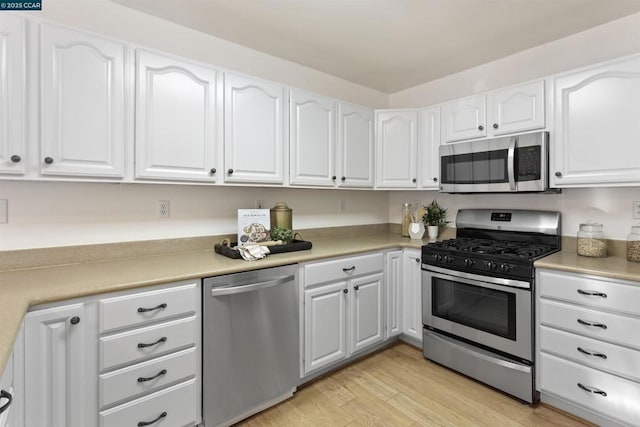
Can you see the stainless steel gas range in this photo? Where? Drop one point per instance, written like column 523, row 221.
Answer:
column 477, row 296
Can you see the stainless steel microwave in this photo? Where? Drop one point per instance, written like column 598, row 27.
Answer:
column 517, row 163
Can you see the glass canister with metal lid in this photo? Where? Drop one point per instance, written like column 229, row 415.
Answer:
column 591, row 240
column 633, row 244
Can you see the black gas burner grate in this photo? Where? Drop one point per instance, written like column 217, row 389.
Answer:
column 493, row 247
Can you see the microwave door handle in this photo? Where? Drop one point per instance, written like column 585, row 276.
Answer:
column 511, row 154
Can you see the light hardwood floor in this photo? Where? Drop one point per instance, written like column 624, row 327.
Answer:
column 398, row 387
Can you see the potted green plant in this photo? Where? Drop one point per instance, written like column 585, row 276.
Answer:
column 435, row 216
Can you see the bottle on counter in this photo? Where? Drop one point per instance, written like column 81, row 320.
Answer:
column 591, row 240
column 405, row 215
column 633, row 244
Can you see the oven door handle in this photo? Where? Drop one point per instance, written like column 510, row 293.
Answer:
column 511, row 167
column 475, row 279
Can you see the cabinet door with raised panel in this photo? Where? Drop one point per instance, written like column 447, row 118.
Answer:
column 313, row 138
column 254, row 126
column 355, row 146
column 596, row 140
column 396, row 148
column 367, row 311
column 83, row 102
column 429, row 144
column 12, row 94
column 176, row 117
column 516, row 109
column 411, row 291
column 464, row 119
column 393, row 285
column 56, row 355
column 325, row 325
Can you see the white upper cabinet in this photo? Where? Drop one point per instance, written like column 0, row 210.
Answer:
column 596, row 141
column 355, row 146
column 254, row 126
column 312, row 124
column 516, row 109
column 464, row 119
column 396, row 148
column 12, row 94
column 176, row 119
column 429, row 131
column 83, row 104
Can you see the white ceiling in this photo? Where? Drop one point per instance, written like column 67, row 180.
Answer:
column 388, row 45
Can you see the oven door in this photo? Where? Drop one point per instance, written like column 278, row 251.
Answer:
column 466, row 305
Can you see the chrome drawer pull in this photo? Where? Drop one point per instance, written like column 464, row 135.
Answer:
column 592, row 294
column 144, row 310
column 148, row 423
column 593, row 390
column 161, row 340
column 5, row 395
column 350, row 269
column 588, row 353
column 145, row 379
column 595, row 325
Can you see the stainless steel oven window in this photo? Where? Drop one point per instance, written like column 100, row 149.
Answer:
column 489, row 310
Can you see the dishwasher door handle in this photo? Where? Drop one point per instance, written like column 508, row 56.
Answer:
column 239, row 289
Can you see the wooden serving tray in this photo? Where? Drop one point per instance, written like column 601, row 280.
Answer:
column 295, row 245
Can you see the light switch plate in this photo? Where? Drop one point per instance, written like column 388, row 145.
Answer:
column 4, row 211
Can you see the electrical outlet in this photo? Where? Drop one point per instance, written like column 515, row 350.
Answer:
column 341, row 205
column 636, row 210
column 163, row 208
column 258, row 204
column 4, row 211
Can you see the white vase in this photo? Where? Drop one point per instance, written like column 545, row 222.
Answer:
column 433, row 231
column 416, row 230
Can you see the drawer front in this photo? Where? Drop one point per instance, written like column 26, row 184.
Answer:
column 147, row 376
column 561, row 378
column 6, row 380
column 609, row 357
column 342, row 269
column 606, row 294
column 617, row 329
column 127, row 347
column 177, row 404
column 143, row 307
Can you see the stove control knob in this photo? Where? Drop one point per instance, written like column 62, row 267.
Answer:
column 491, row 265
column 505, row 268
column 448, row 259
column 437, row 257
column 469, row 262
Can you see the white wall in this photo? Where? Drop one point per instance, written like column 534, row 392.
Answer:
column 49, row 214
column 612, row 207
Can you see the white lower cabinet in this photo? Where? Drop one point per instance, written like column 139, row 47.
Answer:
column 393, row 284
column 144, row 370
column 12, row 386
column 411, row 292
column 588, row 351
column 344, row 314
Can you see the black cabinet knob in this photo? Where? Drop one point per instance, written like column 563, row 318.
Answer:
column 334, row 177
column 414, row 180
column 356, row 287
column 346, row 291
column 213, row 171
column 74, row 320
column 343, row 179
column 48, row 160
column 15, row 158
column 480, row 127
column 418, row 260
column 230, row 171
column 435, row 179
column 558, row 174
column 495, row 126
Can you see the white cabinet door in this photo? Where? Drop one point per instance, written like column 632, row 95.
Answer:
column 176, row 119
column 325, row 320
column 254, row 125
column 355, row 146
column 12, row 94
column 429, row 169
column 464, row 119
column 412, row 305
column 56, row 381
column 393, row 282
column 396, row 148
column 83, row 89
column 596, row 136
column 367, row 311
column 516, row 109
column 313, row 138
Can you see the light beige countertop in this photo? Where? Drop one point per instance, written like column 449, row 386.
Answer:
column 23, row 288
column 613, row 266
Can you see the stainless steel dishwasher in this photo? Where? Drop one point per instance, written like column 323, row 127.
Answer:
column 250, row 342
